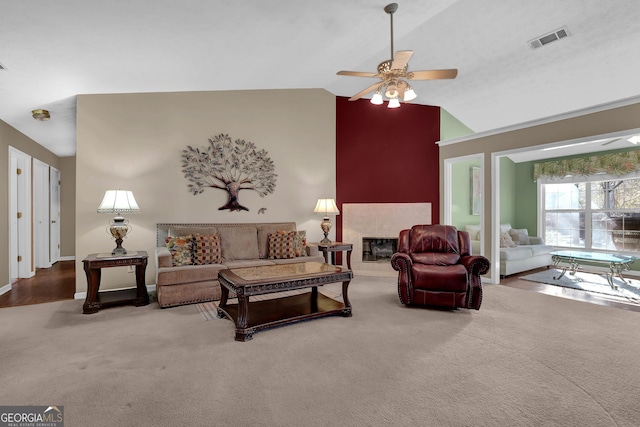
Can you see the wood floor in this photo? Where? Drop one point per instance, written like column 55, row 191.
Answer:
column 59, row 283
column 55, row 283
column 574, row 294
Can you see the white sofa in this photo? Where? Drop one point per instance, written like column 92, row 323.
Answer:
column 518, row 251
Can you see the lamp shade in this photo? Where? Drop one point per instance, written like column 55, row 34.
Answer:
column 409, row 94
column 118, row 202
column 326, row 207
column 393, row 103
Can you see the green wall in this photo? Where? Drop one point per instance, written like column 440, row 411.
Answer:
column 450, row 127
column 508, row 192
column 526, row 206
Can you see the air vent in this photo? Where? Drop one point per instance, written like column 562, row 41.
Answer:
column 549, row 38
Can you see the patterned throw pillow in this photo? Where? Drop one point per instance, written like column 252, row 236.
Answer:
column 506, row 241
column 181, row 249
column 281, row 246
column 207, row 249
column 301, row 242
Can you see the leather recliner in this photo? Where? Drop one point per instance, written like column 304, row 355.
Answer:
column 436, row 268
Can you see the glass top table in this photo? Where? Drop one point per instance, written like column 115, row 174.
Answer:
column 616, row 262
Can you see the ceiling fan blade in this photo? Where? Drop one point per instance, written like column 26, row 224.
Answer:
column 356, row 74
column 401, row 59
column 433, row 74
column 365, row 91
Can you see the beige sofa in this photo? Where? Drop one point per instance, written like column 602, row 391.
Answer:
column 518, row 251
column 241, row 245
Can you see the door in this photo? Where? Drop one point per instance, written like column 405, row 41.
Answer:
column 20, row 255
column 54, row 212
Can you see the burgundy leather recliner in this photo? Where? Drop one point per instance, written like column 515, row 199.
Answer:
column 436, row 268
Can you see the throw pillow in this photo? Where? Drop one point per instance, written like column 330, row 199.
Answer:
column 520, row 236
column 282, row 246
column 239, row 242
column 207, row 249
column 181, row 249
column 300, row 237
column 505, row 240
column 265, row 229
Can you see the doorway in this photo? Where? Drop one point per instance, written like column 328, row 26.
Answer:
column 464, row 197
column 34, row 235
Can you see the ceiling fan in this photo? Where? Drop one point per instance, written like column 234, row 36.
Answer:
column 393, row 75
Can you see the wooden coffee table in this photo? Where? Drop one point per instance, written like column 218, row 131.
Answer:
column 253, row 316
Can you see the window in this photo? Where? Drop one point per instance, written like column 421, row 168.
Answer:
column 589, row 214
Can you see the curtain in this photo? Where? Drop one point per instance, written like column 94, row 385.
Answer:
column 616, row 164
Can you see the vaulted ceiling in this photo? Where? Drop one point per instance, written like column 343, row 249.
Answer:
column 55, row 50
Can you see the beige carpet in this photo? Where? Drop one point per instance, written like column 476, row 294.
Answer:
column 524, row 359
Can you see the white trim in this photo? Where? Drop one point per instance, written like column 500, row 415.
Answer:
column 5, row 289
column 67, row 258
column 495, row 218
column 564, row 116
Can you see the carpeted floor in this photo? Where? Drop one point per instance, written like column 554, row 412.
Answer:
column 628, row 288
column 524, row 359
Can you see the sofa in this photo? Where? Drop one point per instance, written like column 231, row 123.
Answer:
column 518, row 251
column 189, row 256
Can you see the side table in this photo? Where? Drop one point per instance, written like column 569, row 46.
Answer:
column 96, row 300
column 334, row 247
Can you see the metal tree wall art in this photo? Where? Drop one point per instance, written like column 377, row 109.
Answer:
column 230, row 166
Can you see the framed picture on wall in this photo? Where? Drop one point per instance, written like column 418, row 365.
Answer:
column 476, row 191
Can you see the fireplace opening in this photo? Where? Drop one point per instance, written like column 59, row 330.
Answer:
column 378, row 249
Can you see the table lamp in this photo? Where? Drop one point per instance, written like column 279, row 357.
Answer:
column 118, row 202
column 326, row 207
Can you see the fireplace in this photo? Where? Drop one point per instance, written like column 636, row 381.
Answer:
column 378, row 249
column 379, row 222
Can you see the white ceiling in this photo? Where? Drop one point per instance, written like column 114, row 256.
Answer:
column 55, row 50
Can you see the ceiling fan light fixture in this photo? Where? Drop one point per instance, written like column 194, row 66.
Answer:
column 409, row 94
column 394, row 103
column 392, row 90
column 634, row 139
column 376, row 99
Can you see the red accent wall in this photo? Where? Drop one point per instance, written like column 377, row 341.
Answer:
column 386, row 155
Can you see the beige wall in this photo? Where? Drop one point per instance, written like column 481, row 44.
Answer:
column 134, row 142
column 598, row 123
column 11, row 137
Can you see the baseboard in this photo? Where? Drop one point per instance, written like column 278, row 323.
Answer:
column 67, row 258
column 83, row 295
column 5, row 289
